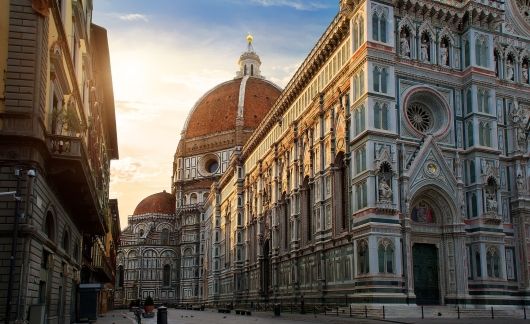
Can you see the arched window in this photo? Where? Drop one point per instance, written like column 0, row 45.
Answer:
column 493, row 262
column 376, row 74
column 245, row 70
column 360, row 23
column 382, row 28
column 166, row 276
column 469, row 101
column 355, row 34
column 381, row 116
column 385, row 255
column 470, row 140
column 340, row 192
column 363, row 266
column 119, row 277
column 478, row 267
column 361, row 192
column 251, row 69
column 66, row 241
column 193, row 199
column 481, row 51
column 525, row 71
column 485, row 134
column 375, row 26
column 361, row 82
column 384, row 78
column 49, row 226
column 496, row 61
column 483, row 101
column 164, row 236
column 467, row 54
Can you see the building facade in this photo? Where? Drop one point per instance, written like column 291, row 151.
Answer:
column 392, row 169
column 57, row 137
column 148, row 260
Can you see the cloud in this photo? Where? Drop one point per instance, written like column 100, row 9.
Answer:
column 296, row 4
column 133, row 17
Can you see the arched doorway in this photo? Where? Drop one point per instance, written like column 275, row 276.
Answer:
column 431, row 259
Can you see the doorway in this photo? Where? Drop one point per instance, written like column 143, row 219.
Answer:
column 426, row 282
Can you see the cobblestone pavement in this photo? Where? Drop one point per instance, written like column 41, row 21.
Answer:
column 212, row 317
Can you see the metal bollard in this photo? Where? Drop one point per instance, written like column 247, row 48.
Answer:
column 161, row 315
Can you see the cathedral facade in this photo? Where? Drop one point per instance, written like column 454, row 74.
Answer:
column 393, row 168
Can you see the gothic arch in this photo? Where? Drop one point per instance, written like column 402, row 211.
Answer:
column 442, row 203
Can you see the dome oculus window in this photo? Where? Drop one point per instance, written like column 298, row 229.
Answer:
column 212, row 166
column 420, row 117
column 209, row 165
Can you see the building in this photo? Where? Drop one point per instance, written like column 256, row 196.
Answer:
column 57, row 137
column 148, row 259
column 393, row 168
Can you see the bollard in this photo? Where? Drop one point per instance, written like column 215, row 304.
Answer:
column 524, row 312
column 492, row 316
column 161, row 315
column 458, row 311
column 422, row 315
column 350, row 310
column 384, row 312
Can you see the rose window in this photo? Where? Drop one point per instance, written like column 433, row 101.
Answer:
column 420, row 117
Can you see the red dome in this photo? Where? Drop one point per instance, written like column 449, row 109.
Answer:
column 159, row 203
column 217, row 110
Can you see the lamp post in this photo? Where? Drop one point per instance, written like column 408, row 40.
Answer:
column 18, row 173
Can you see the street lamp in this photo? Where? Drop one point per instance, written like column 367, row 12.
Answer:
column 31, row 173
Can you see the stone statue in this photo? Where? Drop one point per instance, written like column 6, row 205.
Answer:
column 509, row 70
column 491, row 202
column 385, row 192
column 519, row 120
column 520, row 182
column 424, row 50
column 404, row 42
column 443, row 54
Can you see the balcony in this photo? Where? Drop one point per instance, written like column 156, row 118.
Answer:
column 74, row 182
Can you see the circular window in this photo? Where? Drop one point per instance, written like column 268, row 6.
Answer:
column 420, row 117
column 212, row 166
column 209, row 165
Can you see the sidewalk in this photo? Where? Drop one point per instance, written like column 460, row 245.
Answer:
column 122, row 316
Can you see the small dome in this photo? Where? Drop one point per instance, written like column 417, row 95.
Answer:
column 159, row 203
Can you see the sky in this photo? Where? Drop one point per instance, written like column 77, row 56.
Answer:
column 165, row 54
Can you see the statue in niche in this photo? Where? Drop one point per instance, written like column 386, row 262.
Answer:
column 491, row 201
column 385, row 191
column 509, row 70
column 425, row 48
column 520, row 182
column 519, row 120
column 444, row 55
column 525, row 72
column 404, row 43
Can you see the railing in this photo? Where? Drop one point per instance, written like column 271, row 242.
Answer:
column 383, row 312
column 67, row 146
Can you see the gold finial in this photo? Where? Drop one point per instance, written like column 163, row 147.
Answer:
column 250, row 38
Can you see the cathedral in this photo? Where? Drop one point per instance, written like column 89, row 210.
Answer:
column 393, row 168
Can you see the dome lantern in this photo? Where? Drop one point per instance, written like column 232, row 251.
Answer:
column 249, row 62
